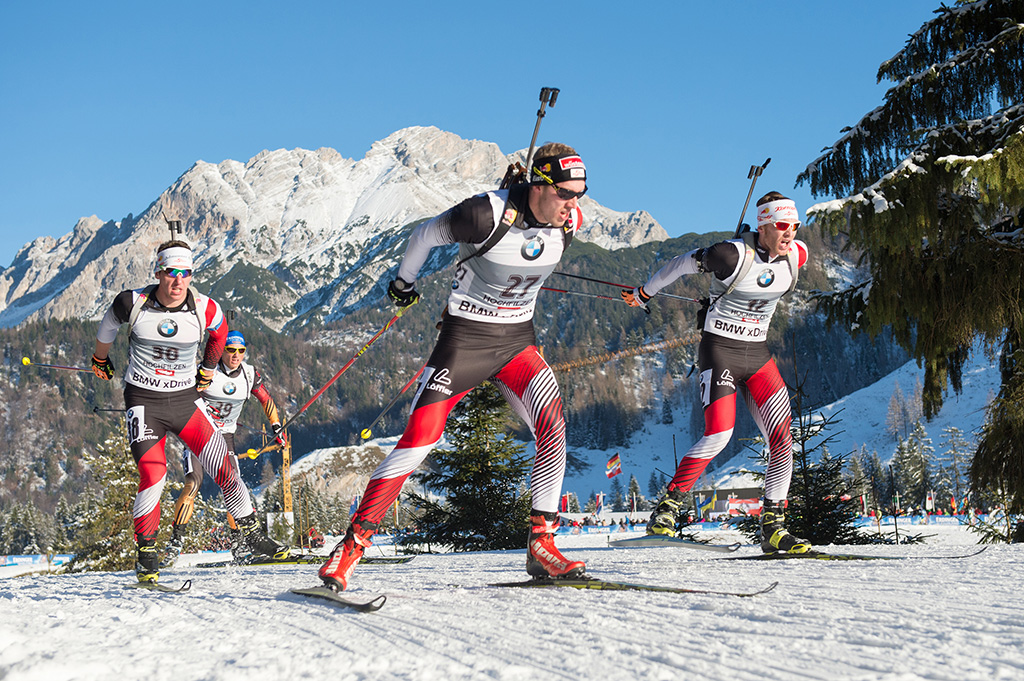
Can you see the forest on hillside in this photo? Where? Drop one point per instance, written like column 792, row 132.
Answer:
column 49, row 418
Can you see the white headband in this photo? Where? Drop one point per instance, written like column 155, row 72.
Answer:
column 782, row 210
column 176, row 257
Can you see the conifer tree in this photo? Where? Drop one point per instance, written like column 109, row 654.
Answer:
column 912, row 466
column 618, row 496
column 634, row 495
column 105, row 535
column 823, row 506
column 932, row 182
column 486, row 505
column 956, row 458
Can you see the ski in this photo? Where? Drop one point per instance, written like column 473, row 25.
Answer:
column 162, row 588
column 651, row 540
column 297, row 559
column 822, row 555
column 323, row 593
column 303, row 559
column 384, row 560
column 606, row 585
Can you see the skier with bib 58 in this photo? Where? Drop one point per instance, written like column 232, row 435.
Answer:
column 749, row 277
column 509, row 242
column 162, row 394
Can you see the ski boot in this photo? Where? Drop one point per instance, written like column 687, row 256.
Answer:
column 256, row 544
column 147, row 568
column 664, row 518
column 345, row 556
column 543, row 560
column 775, row 538
column 235, row 544
column 173, row 550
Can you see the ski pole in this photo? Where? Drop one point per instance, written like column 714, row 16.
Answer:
column 367, row 432
column 97, row 410
column 27, row 362
column 253, row 453
column 755, row 172
column 581, row 293
column 612, row 283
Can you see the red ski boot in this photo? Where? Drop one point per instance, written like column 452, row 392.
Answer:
column 345, row 556
column 542, row 557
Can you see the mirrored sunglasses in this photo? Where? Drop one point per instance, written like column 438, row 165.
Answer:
column 783, row 226
column 174, row 273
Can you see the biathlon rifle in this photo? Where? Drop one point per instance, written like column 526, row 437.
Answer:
column 516, row 173
column 755, row 172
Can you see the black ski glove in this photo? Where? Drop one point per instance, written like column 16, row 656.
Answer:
column 402, row 293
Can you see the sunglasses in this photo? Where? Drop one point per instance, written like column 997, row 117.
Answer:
column 232, row 351
column 174, row 273
column 561, row 192
column 783, row 226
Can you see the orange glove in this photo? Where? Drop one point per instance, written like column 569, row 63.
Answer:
column 636, row 297
column 103, row 368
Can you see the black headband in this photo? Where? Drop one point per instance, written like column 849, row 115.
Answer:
column 558, row 169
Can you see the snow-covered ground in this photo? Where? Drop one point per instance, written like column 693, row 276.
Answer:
column 954, row 620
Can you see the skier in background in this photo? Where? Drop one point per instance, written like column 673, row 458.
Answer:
column 162, row 394
column 750, row 276
column 509, row 242
column 234, row 380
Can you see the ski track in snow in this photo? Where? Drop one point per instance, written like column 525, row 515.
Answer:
column 953, row 620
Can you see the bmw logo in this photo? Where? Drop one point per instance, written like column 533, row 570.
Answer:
column 455, row 284
column 229, row 388
column 533, row 248
column 167, row 328
column 765, row 279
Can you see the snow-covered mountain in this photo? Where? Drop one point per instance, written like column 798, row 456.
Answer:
column 287, row 235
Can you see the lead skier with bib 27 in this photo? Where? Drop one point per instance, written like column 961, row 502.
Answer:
column 166, row 324
column 749, row 276
column 509, row 242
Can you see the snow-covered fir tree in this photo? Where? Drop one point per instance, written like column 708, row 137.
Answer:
column 932, row 187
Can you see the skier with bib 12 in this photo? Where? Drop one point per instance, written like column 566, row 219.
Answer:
column 749, row 276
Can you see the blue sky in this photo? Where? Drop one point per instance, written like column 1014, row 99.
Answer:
column 104, row 105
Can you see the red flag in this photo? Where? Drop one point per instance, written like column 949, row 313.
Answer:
column 565, row 503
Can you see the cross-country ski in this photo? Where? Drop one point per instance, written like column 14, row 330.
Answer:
column 359, row 604
column 832, row 555
column 608, row 585
column 161, row 588
column 657, row 540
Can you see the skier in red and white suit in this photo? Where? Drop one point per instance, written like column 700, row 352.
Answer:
column 487, row 334
column 733, row 355
column 161, row 394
